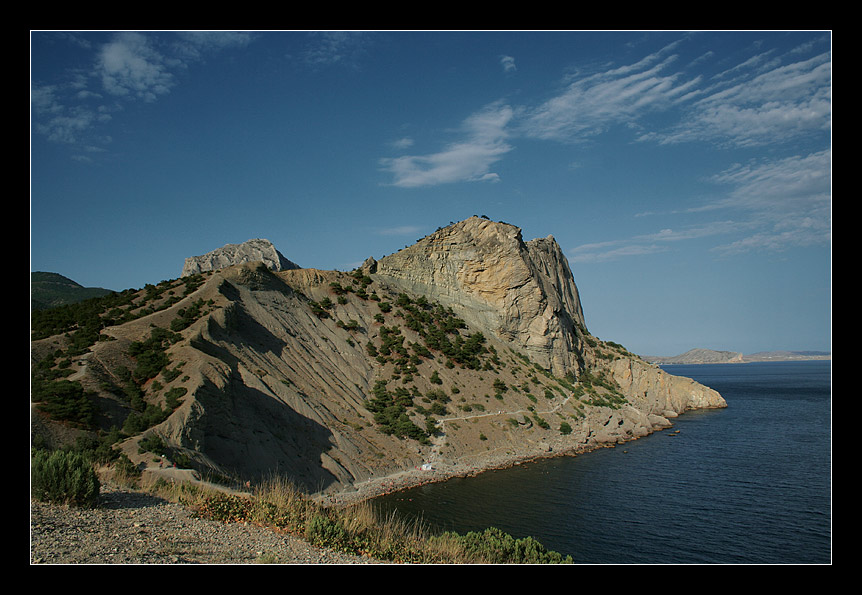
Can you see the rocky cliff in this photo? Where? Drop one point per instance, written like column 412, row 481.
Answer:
column 522, row 292
column 256, row 250
column 465, row 351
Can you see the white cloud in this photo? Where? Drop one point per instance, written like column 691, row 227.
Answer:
column 789, row 199
column 590, row 104
column 131, row 65
column 764, row 99
column 467, row 160
column 508, row 63
column 774, row 103
column 403, row 143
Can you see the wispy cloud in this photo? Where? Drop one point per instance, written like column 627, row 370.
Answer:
column 508, row 63
column 588, row 105
column 400, row 230
column 789, row 199
column 469, row 159
column 402, row 143
column 647, row 244
column 327, row 48
column 775, row 206
column 58, row 122
column 130, row 66
column 766, row 98
column 761, row 103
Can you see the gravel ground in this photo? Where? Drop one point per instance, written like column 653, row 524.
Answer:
column 137, row 528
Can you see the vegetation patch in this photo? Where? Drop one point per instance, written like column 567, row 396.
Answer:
column 359, row 529
column 64, row 477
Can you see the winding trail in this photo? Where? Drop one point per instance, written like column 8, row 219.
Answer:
column 439, row 439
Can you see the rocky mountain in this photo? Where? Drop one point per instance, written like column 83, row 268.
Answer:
column 466, row 351
column 256, row 250
column 522, row 292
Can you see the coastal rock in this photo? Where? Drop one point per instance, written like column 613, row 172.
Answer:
column 655, row 392
column 232, row 254
column 523, row 292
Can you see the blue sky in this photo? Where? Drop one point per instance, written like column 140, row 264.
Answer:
column 686, row 175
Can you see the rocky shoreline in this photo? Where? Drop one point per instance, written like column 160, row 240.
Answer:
column 135, row 527
column 413, row 478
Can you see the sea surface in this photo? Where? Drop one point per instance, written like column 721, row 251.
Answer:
column 749, row 484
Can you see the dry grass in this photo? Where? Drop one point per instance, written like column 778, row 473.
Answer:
column 359, row 529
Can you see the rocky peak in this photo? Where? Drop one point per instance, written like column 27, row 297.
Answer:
column 232, row 254
column 523, row 292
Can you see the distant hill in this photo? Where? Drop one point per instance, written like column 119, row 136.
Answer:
column 49, row 290
column 767, row 356
column 709, row 356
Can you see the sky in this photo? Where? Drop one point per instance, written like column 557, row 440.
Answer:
column 685, row 175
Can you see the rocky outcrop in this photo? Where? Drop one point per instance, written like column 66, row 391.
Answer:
column 233, row 254
column 523, row 292
column 659, row 394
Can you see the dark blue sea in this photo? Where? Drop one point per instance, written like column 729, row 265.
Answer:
column 749, row 484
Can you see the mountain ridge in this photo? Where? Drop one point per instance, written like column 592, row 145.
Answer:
column 466, row 351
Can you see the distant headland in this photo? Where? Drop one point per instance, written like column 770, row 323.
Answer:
column 709, row 356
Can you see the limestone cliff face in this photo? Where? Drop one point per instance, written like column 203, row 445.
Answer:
column 523, row 292
column 233, row 254
column 658, row 393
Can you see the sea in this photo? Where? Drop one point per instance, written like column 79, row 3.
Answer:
column 748, row 484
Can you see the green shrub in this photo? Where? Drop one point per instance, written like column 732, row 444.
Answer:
column 153, row 444
column 327, row 532
column 64, row 478
column 497, row 547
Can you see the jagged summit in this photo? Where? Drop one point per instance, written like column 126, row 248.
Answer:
column 524, row 291
column 232, row 254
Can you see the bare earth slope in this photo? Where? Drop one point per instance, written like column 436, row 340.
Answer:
column 464, row 352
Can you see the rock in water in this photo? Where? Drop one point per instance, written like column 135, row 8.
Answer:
column 232, row 254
